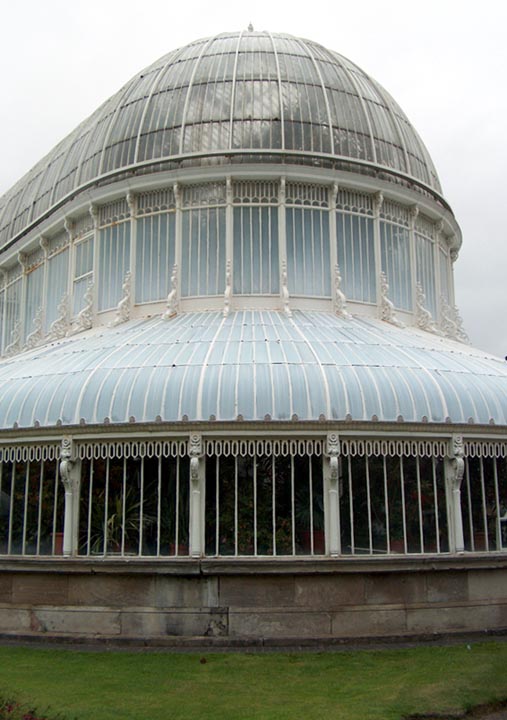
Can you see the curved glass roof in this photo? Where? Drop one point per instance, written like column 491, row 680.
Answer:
column 235, row 97
column 256, row 365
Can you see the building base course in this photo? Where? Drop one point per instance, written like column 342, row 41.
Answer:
column 255, row 603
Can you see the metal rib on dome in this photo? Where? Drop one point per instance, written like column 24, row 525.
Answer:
column 255, row 95
column 252, row 364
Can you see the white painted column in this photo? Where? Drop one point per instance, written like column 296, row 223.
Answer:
column 454, row 470
column 332, row 495
column 94, row 213
column 333, row 251
column 132, row 205
column 414, row 213
column 70, row 475
column 197, row 495
column 22, row 260
column 378, row 201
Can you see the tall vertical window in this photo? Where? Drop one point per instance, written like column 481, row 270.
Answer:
column 255, row 229
column 12, row 311
column 256, row 265
column 356, row 256
column 34, row 289
column 58, row 275
column 444, row 275
column 114, row 262
column 395, row 254
column 83, row 272
column 155, row 244
column 203, row 251
column 308, row 260
column 426, row 270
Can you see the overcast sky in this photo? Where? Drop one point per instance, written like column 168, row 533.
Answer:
column 444, row 61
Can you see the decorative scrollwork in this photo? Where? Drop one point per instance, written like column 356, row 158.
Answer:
column 60, row 327
column 37, row 335
column 15, row 343
column 387, row 313
column 66, row 462
column 457, row 461
column 84, row 320
column 423, row 317
column 195, row 450
column 172, row 298
column 228, row 289
column 285, row 290
column 340, row 301
column 451, row 323
column 333, row 452
column 123, row 308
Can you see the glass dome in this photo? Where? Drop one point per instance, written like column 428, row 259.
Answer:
column 232, row 98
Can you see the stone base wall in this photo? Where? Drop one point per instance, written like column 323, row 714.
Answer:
column 322, row 600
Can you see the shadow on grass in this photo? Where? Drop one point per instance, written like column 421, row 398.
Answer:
column 488, row 711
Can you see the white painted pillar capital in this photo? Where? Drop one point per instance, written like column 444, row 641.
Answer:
column 70, row 475
column 197, row 489
column 454, row 471
column 332, row 494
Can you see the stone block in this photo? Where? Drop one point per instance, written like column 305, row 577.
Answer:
column 272, row 624
column 395, row 588
column 248, row 591
column 462, row 618
column 143, row 622
column 328, row 591
column 174, row 591
column 79, row 621
column 111, row 590
column 39, row 589
column 487, row 584
column 14, row 619
column 447, row 586
column 5, row 587
column 368, row 622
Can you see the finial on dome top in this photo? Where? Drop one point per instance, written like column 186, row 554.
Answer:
column 250, row 27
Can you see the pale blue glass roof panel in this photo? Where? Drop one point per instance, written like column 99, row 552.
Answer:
column 170, row 406
column 282, row 390
column 17, row 399
column 355, row 393
column 121, row 399
column 299, row 394
column 91, row 384
column 387, row 396
column 263, row 391
column 446, row 390
column 226, row 396
column 209, row 391
column 143, row 369
column 246, row 353
column 189, row 391
column 418, row 389
column 245, row 391
column 339, row 399
column 318, row 391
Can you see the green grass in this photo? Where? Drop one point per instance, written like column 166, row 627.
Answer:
column 366, row 685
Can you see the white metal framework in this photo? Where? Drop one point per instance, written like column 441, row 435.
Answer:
column 233, row 239
column 256, row 497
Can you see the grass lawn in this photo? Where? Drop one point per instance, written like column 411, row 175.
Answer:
column 363, row 685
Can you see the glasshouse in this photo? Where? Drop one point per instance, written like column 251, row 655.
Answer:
column 236, row 397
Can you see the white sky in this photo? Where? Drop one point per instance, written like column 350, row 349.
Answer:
column 444, row 61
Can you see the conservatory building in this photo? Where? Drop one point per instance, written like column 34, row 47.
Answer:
column 236, row 397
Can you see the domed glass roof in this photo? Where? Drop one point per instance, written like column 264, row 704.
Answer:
column 235, row 97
